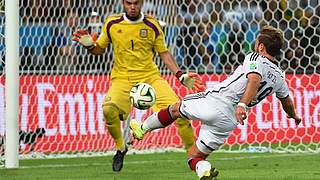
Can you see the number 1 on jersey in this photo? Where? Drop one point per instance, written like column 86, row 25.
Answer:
column 132, row 45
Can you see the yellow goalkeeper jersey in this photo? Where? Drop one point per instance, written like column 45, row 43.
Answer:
column 134, row 44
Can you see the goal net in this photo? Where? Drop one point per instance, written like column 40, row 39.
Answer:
column 62, row 86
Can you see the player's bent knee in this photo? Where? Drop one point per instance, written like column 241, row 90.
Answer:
column 195, row 152
column 206, row 148
column 111, row 113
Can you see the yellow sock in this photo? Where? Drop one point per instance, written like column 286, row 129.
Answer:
column 111, row 115
column 186, row 132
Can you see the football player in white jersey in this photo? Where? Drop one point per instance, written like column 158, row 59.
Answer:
column 220, row 109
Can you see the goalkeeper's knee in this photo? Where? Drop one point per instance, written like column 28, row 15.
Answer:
column 186, row 132
column 183, row 123
column 111, row 114
column 112, row 117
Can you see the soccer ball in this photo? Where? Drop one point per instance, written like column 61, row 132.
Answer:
column 142, row 96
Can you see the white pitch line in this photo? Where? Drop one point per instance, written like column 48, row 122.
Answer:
column 263, row 156
column 163, row 160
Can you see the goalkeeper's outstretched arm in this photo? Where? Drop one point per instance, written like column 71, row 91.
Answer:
column 97, row 50
column 190, row 80
column 169, row 61
column 88, row 41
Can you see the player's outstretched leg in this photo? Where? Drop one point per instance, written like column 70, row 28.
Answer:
column 157, row 120
column 137, row 130
column 197, row 163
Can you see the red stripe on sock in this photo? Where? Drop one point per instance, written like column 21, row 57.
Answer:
column 193, row 162
column 164, row 117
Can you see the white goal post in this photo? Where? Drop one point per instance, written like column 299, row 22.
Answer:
column 12, row 83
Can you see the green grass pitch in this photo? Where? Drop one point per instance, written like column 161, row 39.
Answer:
column 170, row 166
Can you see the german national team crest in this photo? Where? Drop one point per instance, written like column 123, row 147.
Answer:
column 107, row 98
column 253, row 66
column 143, row 33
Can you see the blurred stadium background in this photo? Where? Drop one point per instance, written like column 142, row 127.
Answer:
column 62, row 86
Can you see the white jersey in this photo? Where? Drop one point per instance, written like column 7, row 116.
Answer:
column 215, row 108
column 272, row 80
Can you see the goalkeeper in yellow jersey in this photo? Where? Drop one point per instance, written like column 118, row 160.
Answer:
column 135, row 38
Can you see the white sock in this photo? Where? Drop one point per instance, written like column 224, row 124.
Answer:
column 201, row 167
column 152, row 122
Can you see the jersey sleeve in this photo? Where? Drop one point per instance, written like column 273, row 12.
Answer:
column 103, row 40
column 252, row 64
column 283, row 90
column 160, row 44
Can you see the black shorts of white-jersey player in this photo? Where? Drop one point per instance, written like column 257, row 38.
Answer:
column 221, row 108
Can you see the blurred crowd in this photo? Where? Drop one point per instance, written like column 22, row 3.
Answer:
column 216, row 35
column 58, row 53
column 207, row 36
